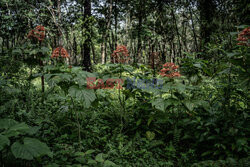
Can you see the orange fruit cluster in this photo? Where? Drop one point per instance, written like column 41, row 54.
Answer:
column 60, row 52
column 170, row 70
column 38, row 33
column 120, row 55
column 243, row 37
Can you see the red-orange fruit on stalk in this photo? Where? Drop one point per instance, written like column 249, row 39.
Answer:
column 243, row 37
column 170, row 70
column 38, row 33
column 120, row 55
column 60, row 52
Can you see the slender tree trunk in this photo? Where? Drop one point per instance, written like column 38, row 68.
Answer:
column 103, row 53
column 139, row 33
column 105, row 50
column 7, row 44
column 105, row 34
column 174, row 53
column 87, row 42
column 112, row 41
column 74, row 50
column 177, row 31
column 184, row 37
column 41, row 65
column 116, row 15
column 207, row 11
column 59, row 22
column 3, row 44
column 144, row 53
column 163, row 55
column 193, row 30
column 93, row 51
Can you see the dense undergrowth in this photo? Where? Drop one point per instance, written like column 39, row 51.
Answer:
column 199, row 119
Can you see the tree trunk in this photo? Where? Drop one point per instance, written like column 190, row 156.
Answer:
column 139, row 33
column 103, row 51
column 193, row 29
column 74, row 50
column 93, row 51
column 207, row 11
column 87, row 42
column 105, row 34
column 163, row 55
column 177, row 32
column 116, row 24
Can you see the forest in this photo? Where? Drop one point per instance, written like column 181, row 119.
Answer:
column 124, row 83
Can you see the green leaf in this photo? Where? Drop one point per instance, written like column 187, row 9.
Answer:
column 34, row 51
column 198, row 65
column 241, row 142
column 52, row 165
column 4, row 141
column 45, row 50
column 15, row 130
column 89, row 152
column 77, row 154
column 242, row 26
column 159, row 104
column 91, row 161
column 80, row 159
column 180, row 87
column 206, row 153
column 33, row 130
column 99, row 158
column 150, row 135
column 166, row 87
column 170, row 102
column 138, row 122
column 109, row 163
column 7, row 123
column 231, row 54
column 189, row 105
column 150, row 120
column 60, row 77
column 30, row 149
column 82, row 94
column 234, row 33
column 19, row 127
column 17, row 51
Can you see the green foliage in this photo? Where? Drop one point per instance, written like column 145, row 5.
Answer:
column 73, row 82
column 30, row 149
column 199, row 119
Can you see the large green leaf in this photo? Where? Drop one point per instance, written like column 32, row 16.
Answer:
column 190, row 106
column 17, row 51
column 108, row 163
column 45, row 50
column 58, row 77
column 19, row 127
column 34, row 51
column 159, row 104
column 4, row 141
column 7, row 123
column 162, row 104
column 31, row 148
column 16, row 129
column 81, row 76
column 180, row 87
column 82, row 94
column 166, row 87
column 99, row 157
